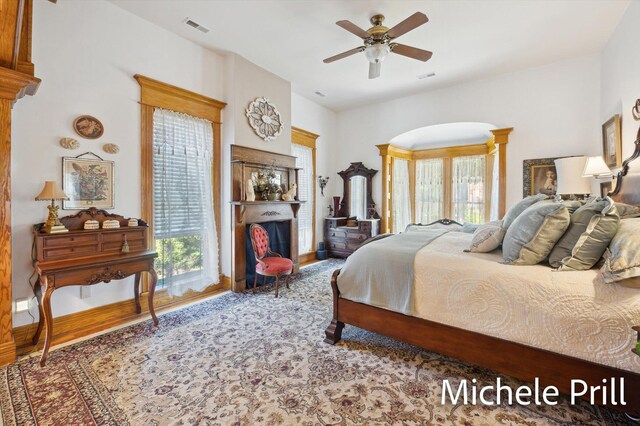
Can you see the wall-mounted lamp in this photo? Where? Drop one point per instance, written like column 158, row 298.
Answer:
column 323, row 182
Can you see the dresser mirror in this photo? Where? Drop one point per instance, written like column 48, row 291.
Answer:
column 357, row 199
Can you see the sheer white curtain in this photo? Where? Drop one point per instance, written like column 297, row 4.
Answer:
column 401, row 201
column 468, row 189
column 429, row 190
column 304, row 160
column 184, row 221
column 357, row 197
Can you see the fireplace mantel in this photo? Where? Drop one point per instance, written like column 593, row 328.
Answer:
column 244, row 213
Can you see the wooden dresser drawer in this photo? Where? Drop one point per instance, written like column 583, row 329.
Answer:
column 114, row 246
column 73, row 251
column 119, row 236
column 337, row 245
column 357, row 236
column 68, row 240
column 335, row 233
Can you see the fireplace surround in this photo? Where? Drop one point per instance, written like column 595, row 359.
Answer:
column 244, row 162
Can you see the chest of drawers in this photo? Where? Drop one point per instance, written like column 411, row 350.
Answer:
column 342, row 240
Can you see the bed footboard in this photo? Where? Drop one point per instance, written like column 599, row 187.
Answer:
column 333, row 332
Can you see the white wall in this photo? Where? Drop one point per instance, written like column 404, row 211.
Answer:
column 621, row 77
column 308, row 115
column 86, row 54
column 554, row 110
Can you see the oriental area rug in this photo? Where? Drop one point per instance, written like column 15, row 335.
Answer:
column 245, row 359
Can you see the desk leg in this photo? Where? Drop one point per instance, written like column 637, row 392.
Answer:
column 46, row 308
column 152, row 290
column 37, row 289
column 136, row 291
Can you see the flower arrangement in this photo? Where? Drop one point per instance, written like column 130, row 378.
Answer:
column 266, row 184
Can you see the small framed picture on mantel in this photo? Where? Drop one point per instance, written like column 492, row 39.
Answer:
column 612, row 142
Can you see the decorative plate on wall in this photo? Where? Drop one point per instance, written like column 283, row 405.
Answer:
column 88, row 127
column 264, row 118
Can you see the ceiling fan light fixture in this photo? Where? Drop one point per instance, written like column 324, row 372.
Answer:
column 377, row 52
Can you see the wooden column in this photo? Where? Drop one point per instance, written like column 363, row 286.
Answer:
column 15, row 21
column 502, row 139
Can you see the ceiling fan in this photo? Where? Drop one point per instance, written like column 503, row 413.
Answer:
column 378, row 41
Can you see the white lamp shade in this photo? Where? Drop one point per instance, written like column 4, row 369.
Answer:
column 570, row 180
column 596, row 167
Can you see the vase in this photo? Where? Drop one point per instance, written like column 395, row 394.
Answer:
column 273, row 196
column 336, row 206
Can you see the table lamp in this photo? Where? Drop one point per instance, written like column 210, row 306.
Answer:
column 570, row 180
column 53, row 192
column 596, row 167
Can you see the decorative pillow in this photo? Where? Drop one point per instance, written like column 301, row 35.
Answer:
column 519, row 207
column 573, row 205
column 487, row 237
column 627, row 211
column 469, row 228
column 531, row 237
column 590, row 231
column 622, row 259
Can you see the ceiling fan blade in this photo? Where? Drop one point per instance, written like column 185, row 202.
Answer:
column 344, row 54
column 408, row 24
column 411, row 52
column 354, row 29
column 374, row 69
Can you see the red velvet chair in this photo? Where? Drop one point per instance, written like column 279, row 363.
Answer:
column 268, row 263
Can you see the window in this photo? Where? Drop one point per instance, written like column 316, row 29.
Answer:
column 429, row 190
column 465, row 183
column 304, row 160
column 401, row 195
column 468, row 189
column 303, row 147
column 183, row 217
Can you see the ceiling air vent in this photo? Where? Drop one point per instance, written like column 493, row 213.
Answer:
column 195, row 25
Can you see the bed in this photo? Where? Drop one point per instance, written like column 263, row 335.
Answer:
column 523, row 321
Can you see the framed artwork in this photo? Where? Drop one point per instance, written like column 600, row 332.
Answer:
column 88, row 183
column 539, row 176
column 612, row 142
column 88, row 127
column 605, row 188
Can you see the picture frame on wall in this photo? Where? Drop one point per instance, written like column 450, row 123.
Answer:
column 539, row 176
column 88, row 183
column 612, row 141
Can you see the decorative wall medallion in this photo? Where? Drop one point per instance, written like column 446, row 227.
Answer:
column 264, row 118
column 88, row 127
column 69, row 143
column 111, row 148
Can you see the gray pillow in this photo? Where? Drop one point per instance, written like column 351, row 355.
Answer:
column 627, row 211
column 531, row 237
column 591, row 229
column 487, row 237
column 519, row 207
column 469, row 228
column 622, row 259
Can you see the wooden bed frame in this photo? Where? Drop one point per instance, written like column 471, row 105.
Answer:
column 513, row 359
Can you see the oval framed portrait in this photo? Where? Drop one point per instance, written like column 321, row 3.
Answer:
column 88, row 127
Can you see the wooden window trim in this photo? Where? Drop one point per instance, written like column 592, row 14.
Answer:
column 388, row 152
column 156, row 94
column 308, row 139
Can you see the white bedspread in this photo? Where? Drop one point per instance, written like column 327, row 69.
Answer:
column 570, row 312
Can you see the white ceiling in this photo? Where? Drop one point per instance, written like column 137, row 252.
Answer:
column 440, row 135
column 471, row 39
